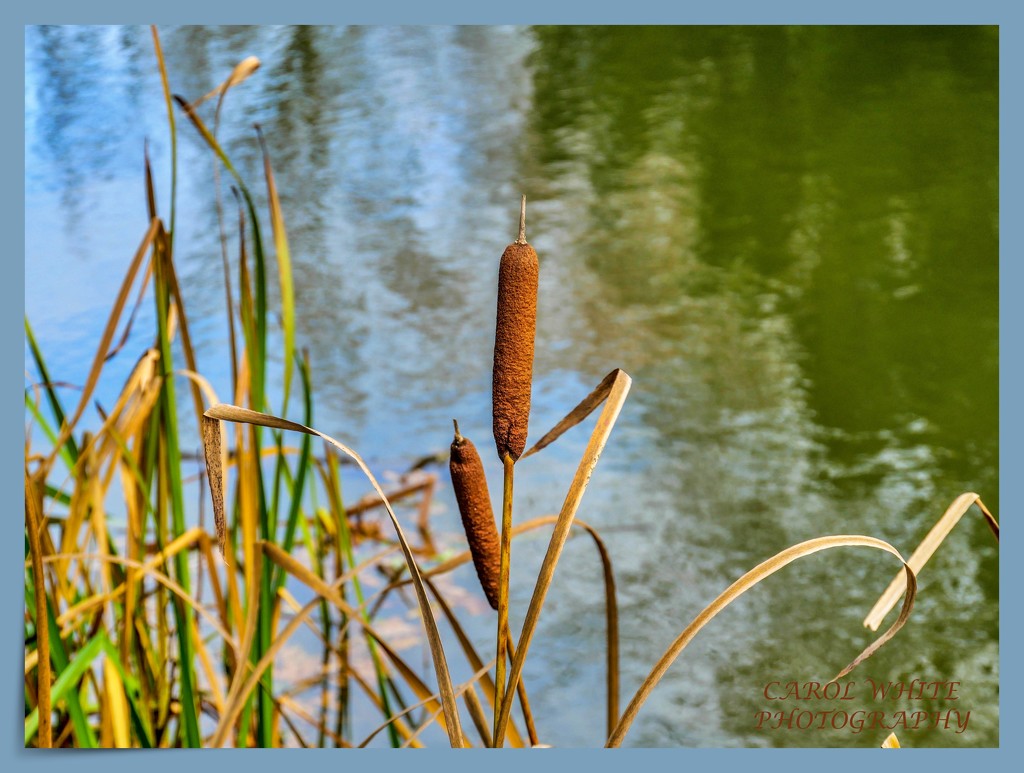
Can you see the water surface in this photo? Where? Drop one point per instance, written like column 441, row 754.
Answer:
column 787, row 236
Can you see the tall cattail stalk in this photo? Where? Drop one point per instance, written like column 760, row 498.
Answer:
column 515, row 327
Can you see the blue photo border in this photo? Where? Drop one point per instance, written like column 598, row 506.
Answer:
column 1005, row 13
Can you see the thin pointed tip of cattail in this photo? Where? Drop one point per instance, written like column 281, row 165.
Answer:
column 458, row 435
column 522, row 221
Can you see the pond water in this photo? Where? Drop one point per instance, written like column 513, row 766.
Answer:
column 788, row 237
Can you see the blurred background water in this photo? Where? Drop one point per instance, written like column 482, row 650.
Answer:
column 787, row 236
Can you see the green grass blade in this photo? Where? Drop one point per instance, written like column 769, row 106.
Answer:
column 67, row 680
column 69, row 448
column 169, row 421
column 298, row 484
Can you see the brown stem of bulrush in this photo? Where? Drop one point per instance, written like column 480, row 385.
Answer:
column 503, row 575
column 522, row 221
column 524, row 702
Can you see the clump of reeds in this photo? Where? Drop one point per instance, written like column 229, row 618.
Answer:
column 140, row 634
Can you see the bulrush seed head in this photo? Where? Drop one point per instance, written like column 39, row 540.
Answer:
column 477, row 516
column 514, row 332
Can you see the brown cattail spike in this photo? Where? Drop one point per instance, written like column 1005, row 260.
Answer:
column 513, row 343
column 477, row 516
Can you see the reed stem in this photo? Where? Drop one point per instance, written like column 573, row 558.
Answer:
column 503, row 575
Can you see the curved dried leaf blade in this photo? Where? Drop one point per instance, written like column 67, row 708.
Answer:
column 924, row 551
column 212, row 448
column 284, row 268
column 587, row 406
column 741, row 586
column 242, row 71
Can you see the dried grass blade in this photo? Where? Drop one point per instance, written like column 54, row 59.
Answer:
column 143, row 376
column 150, row 192
column 284, row 268
column 451, row 712
column 475, row 661
column 431, row 702
column 186, row 540
column 105, row 339
column 214, row 451
column 238, row 693
column 924, row 551
column 611, row 628
column 611, row 607
column 150, row 569
column 242, row 71
column 117, row 705
column 330, row 592
column 143, row 286
column 587, row 406
column 213, row 676
column 33, row 524
column 616, row 398
column 218, row 592
column 476, row 713
column 436, row 716
column 253, row 310
column 741, row 586
column 371, row 693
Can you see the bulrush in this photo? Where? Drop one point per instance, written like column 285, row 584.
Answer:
column 477, row 517
column 513, row 343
